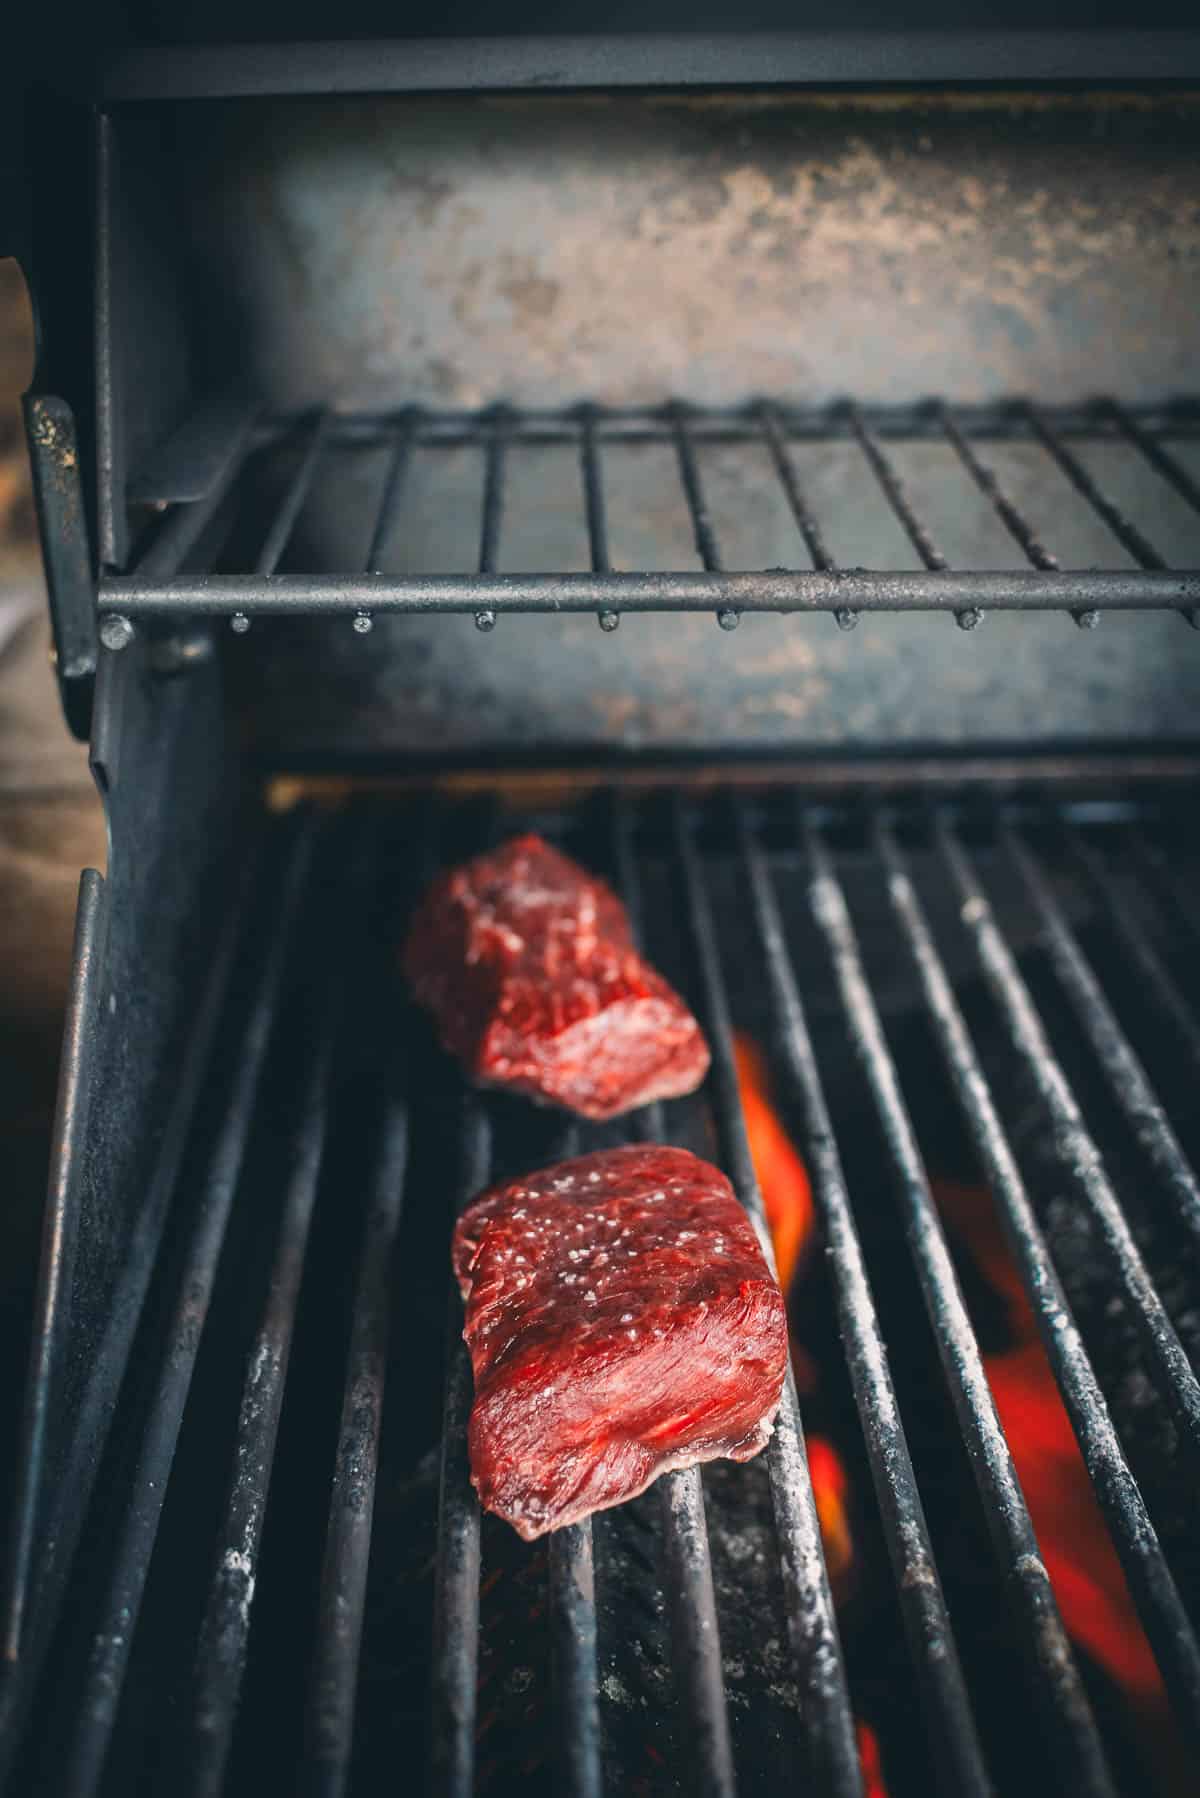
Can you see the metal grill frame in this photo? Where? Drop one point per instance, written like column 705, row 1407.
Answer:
column 1070, row 1731
column 208, row 459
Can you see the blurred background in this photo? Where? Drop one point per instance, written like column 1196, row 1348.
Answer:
column 51, row 826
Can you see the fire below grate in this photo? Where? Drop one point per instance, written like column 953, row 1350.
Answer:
column 1112, row 490
column 283, row 1580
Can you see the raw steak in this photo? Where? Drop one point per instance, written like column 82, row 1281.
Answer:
column 622, row 1321
column 527, row 963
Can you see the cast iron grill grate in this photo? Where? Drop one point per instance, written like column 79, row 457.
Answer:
column 283, row 1542
column 806, row 481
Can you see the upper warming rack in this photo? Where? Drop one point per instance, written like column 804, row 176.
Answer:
column 841, row 509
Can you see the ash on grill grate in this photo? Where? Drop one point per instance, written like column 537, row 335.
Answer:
column 925, row 1034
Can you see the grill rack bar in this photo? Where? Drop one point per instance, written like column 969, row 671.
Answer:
column 922, row 1603
column 693, row 488
column 393, row 491
column 812, row 590
column 806, row 523
column 493, row 490
column 1155, row 867
column 112, row 1640
column 896, row 494
column 1002, row 420
column 1155, row 1592
column 1127, row 1078
column 816, row 1644
column 1072, row 1140
column 1159, row 459
column 1122, row 921
column 351, row 1509
column 225, row 1630
column 1123, row 529
column 691, row 1596
column 295, row 494
column 1067, row 1711
column 1174, row 1647
column 455, row 1652
column 593, row 493
column 573, row 1624
column 157, row 584
column 573, row 1646
column 595, row 508
column 988, row 482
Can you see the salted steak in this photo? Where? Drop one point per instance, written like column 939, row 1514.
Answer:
column 622, row 1321
column 528, row 965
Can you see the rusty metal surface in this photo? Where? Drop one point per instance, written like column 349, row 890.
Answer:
column 382, row 251
column 679, row 682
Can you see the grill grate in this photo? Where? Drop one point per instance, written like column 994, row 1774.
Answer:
column 1007, row 924
column 1131, row 569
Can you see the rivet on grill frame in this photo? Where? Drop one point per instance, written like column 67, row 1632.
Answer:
column 845, row 619
column 363, row 622
column 608, row 621
column 485, row 620
column 728, row 619
column 239, row 624
column 969, row 619
column 116, row 632
column 1088, row 619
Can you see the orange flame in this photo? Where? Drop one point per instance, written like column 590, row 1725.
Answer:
column 870, row 1760
column 830, row 1488
column 782, row 1176
column 1080, row 1559
column 971, row 1215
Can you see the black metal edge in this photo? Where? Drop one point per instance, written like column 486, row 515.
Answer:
column 68, row 1504
column 333, row 1689
column 1002, row 419
column 115, row 1621
column 192, row 459
column 637, row 60
column 1092, row 767
column 59, row 1237
column 146, row 361
column 66, row 554
column 455, row 1647
column 573, row 1659
column 158, row 758
column 110, row 471
column 812, row 590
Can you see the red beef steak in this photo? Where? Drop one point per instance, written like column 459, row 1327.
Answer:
column 527, row 963
column 622, row 1321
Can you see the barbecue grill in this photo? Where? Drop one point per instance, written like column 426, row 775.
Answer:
column 421, row 382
